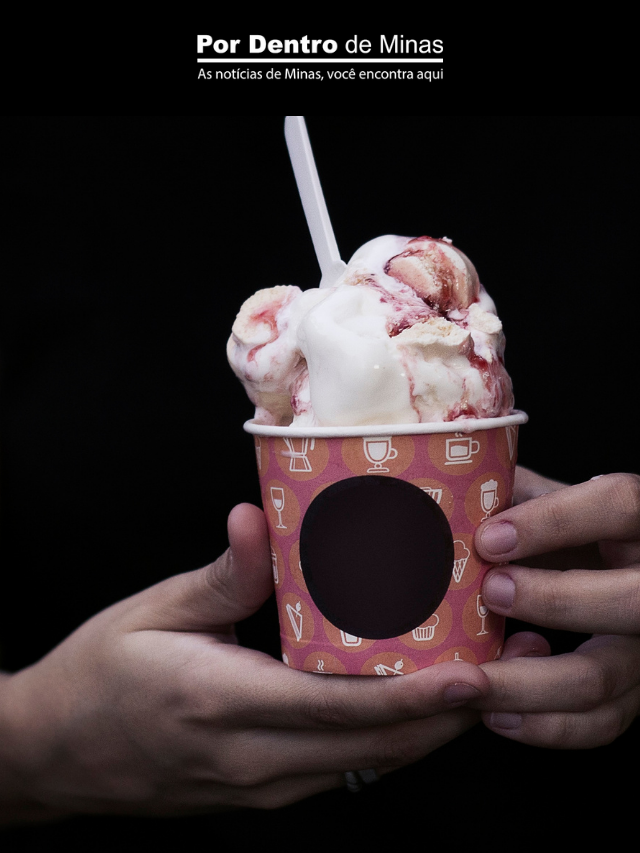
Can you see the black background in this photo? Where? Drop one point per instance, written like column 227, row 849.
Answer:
column 128, row 245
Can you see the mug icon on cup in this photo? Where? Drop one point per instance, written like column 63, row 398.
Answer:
column 489, row 497
column 461, row 449
column 378, row 450
column 435, row 494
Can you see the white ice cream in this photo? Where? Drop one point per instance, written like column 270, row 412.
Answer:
column 408, row 334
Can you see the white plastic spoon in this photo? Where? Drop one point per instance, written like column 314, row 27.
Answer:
column 313, row 203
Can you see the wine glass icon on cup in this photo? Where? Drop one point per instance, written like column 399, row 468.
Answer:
column 277, row 499
column 378, row 450
column 483, row 611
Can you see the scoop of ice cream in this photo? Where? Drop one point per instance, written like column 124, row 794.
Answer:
column 406, row 335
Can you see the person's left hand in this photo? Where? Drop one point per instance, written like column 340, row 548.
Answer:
column 587, row 580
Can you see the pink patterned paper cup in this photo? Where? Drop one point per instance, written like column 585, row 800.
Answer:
column 371, row 532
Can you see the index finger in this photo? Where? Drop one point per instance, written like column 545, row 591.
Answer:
column 528, row 484
column 605, row 508
column 599, row 670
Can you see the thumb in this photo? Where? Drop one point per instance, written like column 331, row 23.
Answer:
column 213, row 598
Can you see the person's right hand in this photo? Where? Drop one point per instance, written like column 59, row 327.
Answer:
column 151, row 706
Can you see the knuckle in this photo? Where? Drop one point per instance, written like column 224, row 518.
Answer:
column 587, row 730
column 631, row 603
column 597, row 684
column 407, row 704
column 624, row 497
column 327, row 711
column 553, row 603
column 219, row 579
column 563, row 732
column 554, row 518
column 396, row 749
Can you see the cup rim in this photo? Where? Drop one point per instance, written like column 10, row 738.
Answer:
column 466, row 426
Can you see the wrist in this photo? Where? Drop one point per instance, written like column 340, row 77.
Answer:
column 18, row 744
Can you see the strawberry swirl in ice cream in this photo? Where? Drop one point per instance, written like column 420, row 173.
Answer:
column 406, row 335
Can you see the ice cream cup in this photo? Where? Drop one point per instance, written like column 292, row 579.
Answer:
column 371, row 533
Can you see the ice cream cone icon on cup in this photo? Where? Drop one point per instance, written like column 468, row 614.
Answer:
column 461, row 556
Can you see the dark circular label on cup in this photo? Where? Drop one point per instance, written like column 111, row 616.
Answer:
column 377, row 555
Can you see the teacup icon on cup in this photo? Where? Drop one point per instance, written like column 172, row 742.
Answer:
column 378, row 450
column 461, row 449
column 489, row 497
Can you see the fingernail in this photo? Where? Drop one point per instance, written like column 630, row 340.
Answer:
column 499, row 538
column 499, row 591
column 456, row 694
column 505, row 721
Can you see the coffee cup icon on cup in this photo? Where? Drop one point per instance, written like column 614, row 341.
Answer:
column 489, row 497
column 378, row 450
column 461, row 449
